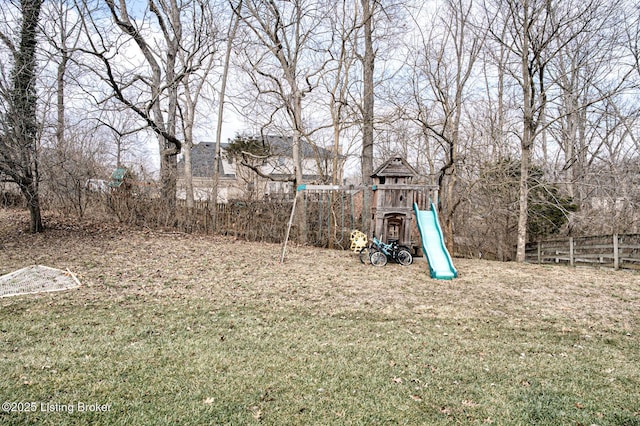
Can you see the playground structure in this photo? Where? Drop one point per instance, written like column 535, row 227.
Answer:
column 440, row 263
column 332, row 213
column 396, row 200
column 393, row 197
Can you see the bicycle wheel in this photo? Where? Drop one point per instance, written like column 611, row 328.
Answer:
column 404, row 257
column 365, row 255
column 378, row 258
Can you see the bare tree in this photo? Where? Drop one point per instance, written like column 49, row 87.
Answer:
column 20, row 128
column 281, row 61
column 441, row 70
column 368, row 64
column 231, row 38
column 69, row 155
column 338, row 78
column 533, row 28
column 198, row 54
column 582, row 70
column 61, row 29
column 150, row 89
column 283, row 66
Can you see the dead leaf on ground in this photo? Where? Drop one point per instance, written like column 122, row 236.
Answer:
column 256, row 412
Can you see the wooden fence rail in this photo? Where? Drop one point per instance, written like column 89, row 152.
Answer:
column 614, row 251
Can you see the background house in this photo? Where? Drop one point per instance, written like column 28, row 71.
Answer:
column 202, row 158
column 238, row 181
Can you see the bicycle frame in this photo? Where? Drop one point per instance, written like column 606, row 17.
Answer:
column 391, row 250
column 387, row 249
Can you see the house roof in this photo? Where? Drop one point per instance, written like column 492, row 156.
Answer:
column 282, row 145
column 395, row 166
column 203, row 155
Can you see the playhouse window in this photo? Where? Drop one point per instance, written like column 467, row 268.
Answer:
column 393, row 231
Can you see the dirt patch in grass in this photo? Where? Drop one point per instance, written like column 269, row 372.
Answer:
column 116, row 262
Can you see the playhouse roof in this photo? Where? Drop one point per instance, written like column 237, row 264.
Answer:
column 395, row 166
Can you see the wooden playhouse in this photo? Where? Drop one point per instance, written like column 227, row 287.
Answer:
column 394, row 192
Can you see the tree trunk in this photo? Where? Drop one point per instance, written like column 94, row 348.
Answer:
column 301, row 211
column 223, row 91
column 523, row 204
column 188, row 175
column 33, row 202
column 527, row 140
column 60, row 123
column 187, row 122
column 171, row 163
column 168, row 177
column 22, row 115
column 450, row 211
column 367, row 99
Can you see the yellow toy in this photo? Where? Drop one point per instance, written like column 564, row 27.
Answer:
column 358, row 240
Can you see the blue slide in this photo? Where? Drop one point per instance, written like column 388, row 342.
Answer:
column 433, row 247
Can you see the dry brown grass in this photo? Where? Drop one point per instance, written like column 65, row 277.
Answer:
column 117, row 262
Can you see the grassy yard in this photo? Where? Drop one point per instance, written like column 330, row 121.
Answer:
column 177, row 329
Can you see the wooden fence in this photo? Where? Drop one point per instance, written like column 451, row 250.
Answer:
column 613, row 251
column 251, row 220
column 330, row 218
column 331, row 215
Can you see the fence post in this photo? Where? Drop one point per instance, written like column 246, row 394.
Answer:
column 539, row 252
column 571, row 251
column 616, row 253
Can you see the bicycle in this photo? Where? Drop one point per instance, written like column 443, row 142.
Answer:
column 378, row 253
